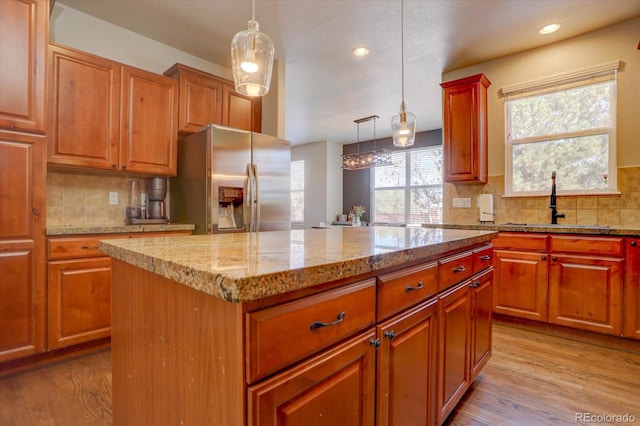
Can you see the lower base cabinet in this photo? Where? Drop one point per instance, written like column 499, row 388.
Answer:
column 632, row 290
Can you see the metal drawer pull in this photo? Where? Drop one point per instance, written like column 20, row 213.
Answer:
column 411, row 288
column 390, row 334
column 89, row 248
column 318, row 324
column 485, row 257
column 459, row 269
column 375, row 342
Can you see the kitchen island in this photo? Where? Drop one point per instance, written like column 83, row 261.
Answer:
column 299, row 326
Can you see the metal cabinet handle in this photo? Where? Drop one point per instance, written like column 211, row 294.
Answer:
column 36, row 212
column 390, row 334
column 375, row 342
column 318, row 324
column 634, row 243
column 475, row 284
column 485, row 257
column 124, row 166
column 113, row 165
column 89, row 247
column 554, row 258
column 409, row 288
column 459, row 269
column 544, row 258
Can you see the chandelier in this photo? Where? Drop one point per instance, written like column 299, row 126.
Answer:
column 366, row 160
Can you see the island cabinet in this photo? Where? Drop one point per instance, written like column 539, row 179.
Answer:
column 465, row 129
column 521, row 275
column 209, row 99
column 585, row 282
column 632, row 289
column 106, row 115
column 374, row 349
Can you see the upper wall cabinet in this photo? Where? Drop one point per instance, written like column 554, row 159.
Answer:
column 465, row 129
column 105, row 115
column 208, row 99
column 24, row 34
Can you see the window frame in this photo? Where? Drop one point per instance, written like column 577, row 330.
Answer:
column 605, row 73
column 407, row 187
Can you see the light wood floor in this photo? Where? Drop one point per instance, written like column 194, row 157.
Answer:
column 533, row 379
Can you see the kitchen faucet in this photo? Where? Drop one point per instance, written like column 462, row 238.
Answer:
column 554, row 212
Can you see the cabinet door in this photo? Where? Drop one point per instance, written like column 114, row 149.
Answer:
column 79, row 301
column 465, row 129
column 454, row 319
column 521, row 283
column 84, row 107
column 24, row 35
column 481, row 321
column 22, row 255
column 406, row 368
column 149, row 123
column 241, row 112
column 632, row 290
column 200, row 99
column 336, row 387
column 586, row 292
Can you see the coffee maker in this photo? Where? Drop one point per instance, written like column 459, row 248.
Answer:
column 156, row 193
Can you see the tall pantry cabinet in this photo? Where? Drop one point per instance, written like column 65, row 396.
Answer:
column 23, row 42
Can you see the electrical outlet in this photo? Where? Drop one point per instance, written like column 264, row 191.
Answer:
column 113, row 198
column 464, row 203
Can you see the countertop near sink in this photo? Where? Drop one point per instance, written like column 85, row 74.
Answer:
column 544, row 228
column 117, row 229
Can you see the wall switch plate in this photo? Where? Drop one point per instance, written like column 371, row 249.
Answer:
column 113, row 198
column 464, row 203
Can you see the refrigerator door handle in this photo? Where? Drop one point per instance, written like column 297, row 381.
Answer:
column 248, row 198
column 256, row 196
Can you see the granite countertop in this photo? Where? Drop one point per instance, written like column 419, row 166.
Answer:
column 117, row 229
column 247, row 266
column 544, row 228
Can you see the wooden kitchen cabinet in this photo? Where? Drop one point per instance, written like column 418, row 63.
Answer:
column 465, row 129
column 334, row 388
column 585, row 283
column 208, row 99
column 406, row 367
column 481, row 321
column 24, row 35
column 632, row 289
column 22, row 245
column 105, row 115
column 79, row 288
column 521, row 276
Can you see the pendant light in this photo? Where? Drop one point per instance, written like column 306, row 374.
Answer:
column 403, row 123
column 365, row 160
column 252, row 59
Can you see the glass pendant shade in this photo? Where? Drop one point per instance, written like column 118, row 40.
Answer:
column 403, row 126
column 252, row 55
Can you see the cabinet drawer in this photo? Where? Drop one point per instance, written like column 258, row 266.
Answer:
column 454, row 269
column 87, row 245
column 482, row 258
column 520, row 241
column 400, row 289
column 284, row 334
column 607, row 246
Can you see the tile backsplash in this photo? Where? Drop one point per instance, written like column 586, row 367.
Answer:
column 621, row 209
column 82, row 199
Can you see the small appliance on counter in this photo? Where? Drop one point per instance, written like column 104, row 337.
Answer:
column 155, row 209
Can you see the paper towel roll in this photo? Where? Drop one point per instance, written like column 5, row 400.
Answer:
column 485, row 205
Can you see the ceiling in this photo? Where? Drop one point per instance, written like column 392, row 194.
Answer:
column 326, row 86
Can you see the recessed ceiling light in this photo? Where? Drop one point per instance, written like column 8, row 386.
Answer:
column 360, row 51
column 548, row 29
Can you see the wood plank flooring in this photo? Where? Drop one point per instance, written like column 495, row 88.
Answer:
column 534, row 378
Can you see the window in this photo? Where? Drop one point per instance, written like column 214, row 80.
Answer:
column 410, row 190
column 297, row 191
column 566, row 124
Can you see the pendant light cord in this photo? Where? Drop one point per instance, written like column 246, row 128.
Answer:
column 253, row 10
column 402, row 46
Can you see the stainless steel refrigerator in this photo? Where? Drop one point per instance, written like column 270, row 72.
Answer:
column 232, row 180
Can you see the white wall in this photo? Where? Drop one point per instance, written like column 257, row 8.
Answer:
column 322, row 180
column 617, row 42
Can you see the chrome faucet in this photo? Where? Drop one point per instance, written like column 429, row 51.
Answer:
column 554, row 212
